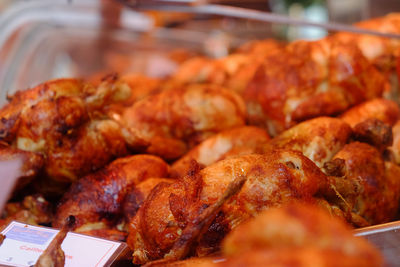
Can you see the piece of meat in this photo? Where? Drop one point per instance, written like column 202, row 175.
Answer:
column 298, row 235
column 318, row 139
column 53, row 255
column 310, row 79
column 135, row 198
column 177, row 119
column 272, row 179
column 233, row 142
column 64, row 121
column 96, row 201
column 374, row 132
column 384, row 110
column 376, row 194
column 395, row 148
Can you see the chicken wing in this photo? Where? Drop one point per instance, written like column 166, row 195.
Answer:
column 228, row 143
column 177, row 119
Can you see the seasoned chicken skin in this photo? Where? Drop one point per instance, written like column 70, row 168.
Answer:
column 384, row 110
column 318, row 139
column 296, row 234
column 271, row 180
column 376, row 192
column 228, row 143
column 63, row 121
column 177, row 119
column 310, row 79
column 97, row 200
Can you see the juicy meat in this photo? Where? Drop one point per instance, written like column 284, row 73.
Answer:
column 177, row 119
column 228, row 143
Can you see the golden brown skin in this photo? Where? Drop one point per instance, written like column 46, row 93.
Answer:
column 96, row 201
column 376, row 194
column 64, row 121
column 233, row 142
column 177, row 119
column 272, row 179
column 310, row 79
column 135, row 198
column 318, row 139
column 384, row 110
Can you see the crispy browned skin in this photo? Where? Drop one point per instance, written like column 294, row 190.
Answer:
column 228, row 143
column 64, row 121
column 319, row 139
column 176, row 119
column 135, row 198
column 272, row 179
column 376, row 193
column 96, row 201
column 384, row 110
column 310, row 79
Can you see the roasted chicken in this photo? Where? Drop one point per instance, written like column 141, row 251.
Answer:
column 228, row 143
column 97, row 200
column 272, row 179
column 175, row 120
column 62, row 121
column 332, row 146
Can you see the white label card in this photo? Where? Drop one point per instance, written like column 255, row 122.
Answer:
column 25, row 243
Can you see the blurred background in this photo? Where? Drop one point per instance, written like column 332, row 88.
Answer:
column 45, row 39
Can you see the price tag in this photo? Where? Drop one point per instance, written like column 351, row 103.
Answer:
column 25, row 243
